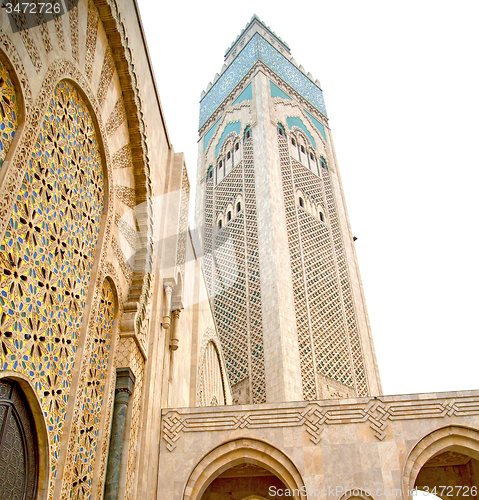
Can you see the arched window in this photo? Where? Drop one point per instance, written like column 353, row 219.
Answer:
column 209, row 175
column 293, row 142
column 238, row 207
column 8, row 112
column 281, row 130
column 220, row 224
column 237, row 146
column 228, row 217
column 247, row 132
column 301, row 202
column 18, row 444
column 321, row 216
column 323, row 163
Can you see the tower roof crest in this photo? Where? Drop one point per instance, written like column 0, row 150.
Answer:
column 255, row 25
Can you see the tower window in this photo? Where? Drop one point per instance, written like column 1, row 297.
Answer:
column 280, row 132
column 293, row 142
column 228, row 217
column 248, row 134
column 237, row 146
column 228, row 156
column 302, row 149
column 221, row 163
column 238, row 207
column 220, row 224
column 321, row 216
column 301, row 202
column 311, row 156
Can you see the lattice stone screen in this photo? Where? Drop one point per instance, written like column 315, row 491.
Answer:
column 326, row 320
column 232, row 271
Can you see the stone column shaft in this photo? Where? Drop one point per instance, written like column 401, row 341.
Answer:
column 125, row 381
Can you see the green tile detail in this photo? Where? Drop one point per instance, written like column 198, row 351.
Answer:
column 277, row 92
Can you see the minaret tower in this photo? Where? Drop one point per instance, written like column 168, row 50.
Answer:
column 278, row 251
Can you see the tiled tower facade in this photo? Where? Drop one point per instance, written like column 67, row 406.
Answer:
column 278, row 250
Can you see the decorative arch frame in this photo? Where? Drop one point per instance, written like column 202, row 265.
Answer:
column 211, row 336
column 299, row 134
column 238, row 199
column 238, row 451
column 460, row 438
column 229, row 140
column 40, row 429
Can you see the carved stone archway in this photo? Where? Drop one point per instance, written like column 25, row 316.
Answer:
column 243, row 451
column 457, row 440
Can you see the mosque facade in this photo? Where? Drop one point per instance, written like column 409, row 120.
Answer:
column 139, row 361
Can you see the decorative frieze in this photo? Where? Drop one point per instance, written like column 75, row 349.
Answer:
column 315, row 417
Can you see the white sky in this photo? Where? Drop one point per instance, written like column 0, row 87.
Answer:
column 401, row 85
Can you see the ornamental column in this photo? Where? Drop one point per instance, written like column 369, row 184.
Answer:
column 125, row 381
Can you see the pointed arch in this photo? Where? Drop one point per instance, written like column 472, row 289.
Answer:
column 243, row 451
column 18, row 398
column 460, row 439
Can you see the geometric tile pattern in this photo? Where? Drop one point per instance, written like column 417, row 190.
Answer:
column 92, row 396
column 47, row 253
column 258, row 49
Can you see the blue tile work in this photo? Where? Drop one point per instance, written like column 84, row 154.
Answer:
column 228, row 80
column 291, row 74
column 258, row 48
column 245, row 95
column 277, row 92
column 317, row 124
column 231, row 127
column 295, row 121
column 209, row 135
